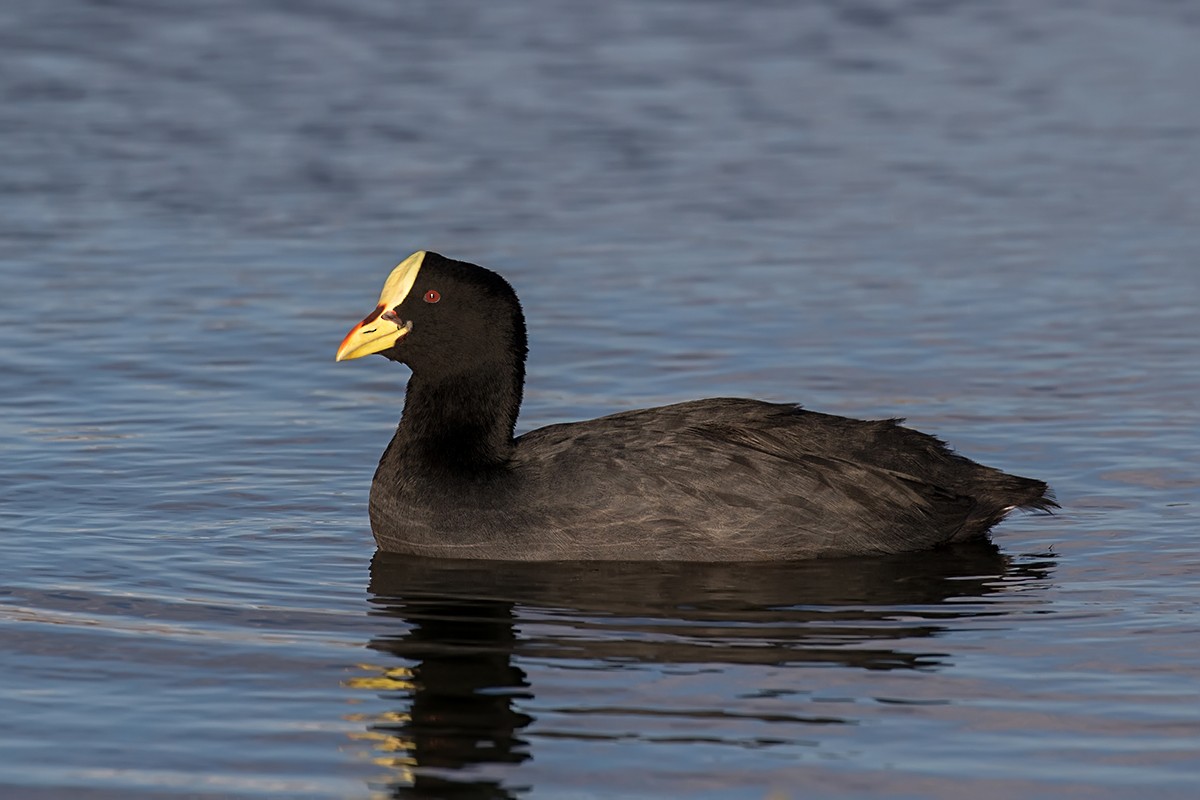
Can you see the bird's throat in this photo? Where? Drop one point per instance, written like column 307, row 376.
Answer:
column 461, row 421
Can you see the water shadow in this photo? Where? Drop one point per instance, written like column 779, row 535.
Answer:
column 462, row 626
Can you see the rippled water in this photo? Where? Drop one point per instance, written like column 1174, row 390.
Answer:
column 980, row 216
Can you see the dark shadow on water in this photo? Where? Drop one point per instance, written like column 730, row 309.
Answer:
column 461, row 625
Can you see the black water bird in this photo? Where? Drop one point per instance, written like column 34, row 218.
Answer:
column 708, row 480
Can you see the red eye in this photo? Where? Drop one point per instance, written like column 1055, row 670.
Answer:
column 432, row 296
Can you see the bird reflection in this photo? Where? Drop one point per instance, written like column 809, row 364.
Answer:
column 457, row 721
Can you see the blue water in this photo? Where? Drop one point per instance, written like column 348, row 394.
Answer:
column 982, row 217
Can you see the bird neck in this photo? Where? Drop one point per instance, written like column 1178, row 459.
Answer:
column 462, row 420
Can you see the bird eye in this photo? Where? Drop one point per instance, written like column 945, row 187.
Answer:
column 432, row 296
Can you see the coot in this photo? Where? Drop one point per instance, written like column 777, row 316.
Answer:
column 709, row 480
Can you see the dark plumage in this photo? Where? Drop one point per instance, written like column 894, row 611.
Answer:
column 709, row 480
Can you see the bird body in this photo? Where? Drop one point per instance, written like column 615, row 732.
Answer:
column 708, row 480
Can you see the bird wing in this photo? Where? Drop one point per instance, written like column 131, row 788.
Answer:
column 653, row 473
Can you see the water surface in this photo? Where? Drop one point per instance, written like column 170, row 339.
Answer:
column 978, row 217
